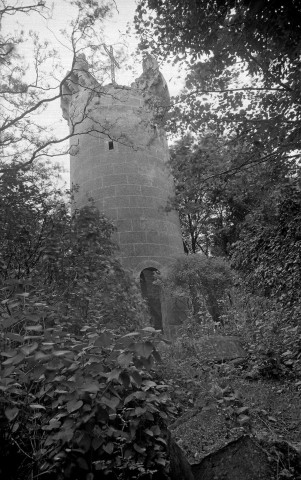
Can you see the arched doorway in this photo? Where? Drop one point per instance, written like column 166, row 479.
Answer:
column 151, row 292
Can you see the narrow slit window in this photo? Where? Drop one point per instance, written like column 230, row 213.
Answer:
column 111, row 145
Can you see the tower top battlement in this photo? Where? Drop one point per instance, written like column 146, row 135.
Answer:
column 151, row 86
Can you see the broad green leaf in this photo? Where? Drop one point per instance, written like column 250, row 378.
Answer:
column 34, row 328
column 149, row 383
column 61, row 353
column 15, row 427
column 109, row 448
column 14, row 336
column 136, row 377
column 90, row 387
column 11, row 413
column 14, row 360
column 139, row 411
column 131, row 334
column 149, row 329
column 156, row 430
column 29, row 349
column 9, row 353
column 9, row 322
column 97, row 442
column 133, row 396
column 112, row 402
column 74, row 405
column 42, row 356
column 37, row 406
column 104, row 340
column 139, row 449
column 128, row 454
column 114, row 374
column 161, row 440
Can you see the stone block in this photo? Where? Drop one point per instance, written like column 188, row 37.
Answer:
column 147, row 250
column 124, row 225
column 124, row 168
column 127, row 250
column 129, row 212
column 117, row 179
column 155, row 213
column 157, row 237
column 132, row 237
column 153, row 191
column 139, row 224
column 241, row 459
column 128, row 189
column 137, row 179
column 106, row 169
column 118, row 201
column 219, row 347
column 112, row 213
column 107, row 191
column 141, row 201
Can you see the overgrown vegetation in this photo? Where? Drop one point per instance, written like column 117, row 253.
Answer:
column 79, row 394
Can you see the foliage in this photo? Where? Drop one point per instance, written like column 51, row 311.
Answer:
column 68, row 259
column 75, row 404
column 243, row 69
column 213, row 206
column 270, row 333
column 268, row 250
column 202, row 281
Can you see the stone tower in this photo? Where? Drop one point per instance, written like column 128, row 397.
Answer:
column 119, row 157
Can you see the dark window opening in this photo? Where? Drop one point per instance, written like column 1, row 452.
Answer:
column 151, row 292
column 111, row 145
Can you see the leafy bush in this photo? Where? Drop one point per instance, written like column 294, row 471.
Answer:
column 268, row 251
column 269, row 332
column 78, row 404
column 68, row 261
column 203, row 281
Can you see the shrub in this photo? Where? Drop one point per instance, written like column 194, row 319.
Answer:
column 203, row 281
column 74, row 404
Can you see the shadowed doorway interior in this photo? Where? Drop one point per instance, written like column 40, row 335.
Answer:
column 151, row 293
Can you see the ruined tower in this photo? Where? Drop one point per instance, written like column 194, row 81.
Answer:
column 119, row 158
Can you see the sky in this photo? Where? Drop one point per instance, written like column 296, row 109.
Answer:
column 116, row 33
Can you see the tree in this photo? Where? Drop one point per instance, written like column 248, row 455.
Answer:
column 213, row 205
column 29, row 86
column 243, row 69
column 28, row 202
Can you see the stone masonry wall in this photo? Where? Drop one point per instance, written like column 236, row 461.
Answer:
column 120, row 159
